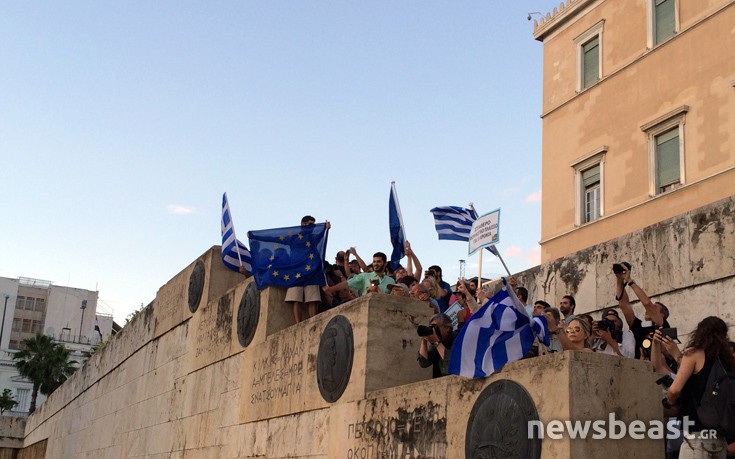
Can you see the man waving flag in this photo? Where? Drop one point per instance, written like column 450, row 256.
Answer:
column 234, row 253
column 498, row 333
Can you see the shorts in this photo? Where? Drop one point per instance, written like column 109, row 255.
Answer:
column 305, row 294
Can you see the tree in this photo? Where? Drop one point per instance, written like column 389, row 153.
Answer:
column 7, row 402
column 45, row 363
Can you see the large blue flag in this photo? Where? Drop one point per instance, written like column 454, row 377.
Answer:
column 234, row 252
column 499, row 332
column 395, row 224
column 288, row 257
column 454, row 223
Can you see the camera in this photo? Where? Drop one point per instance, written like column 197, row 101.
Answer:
column 606, row 324
column 670, row 332
column 427, row 330
column 619, row 268
column 609, row 326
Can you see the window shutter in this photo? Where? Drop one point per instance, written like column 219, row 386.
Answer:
column 591, row 176
column 591, row 64
column 664, row 20
column 667, row 158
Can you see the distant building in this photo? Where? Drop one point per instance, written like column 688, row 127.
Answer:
column 31, row 306
column 638, row 116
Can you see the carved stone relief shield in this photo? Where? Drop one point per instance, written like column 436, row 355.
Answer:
column 248, row 314
column 196, row 286
column 334, row 360
column 498, row 423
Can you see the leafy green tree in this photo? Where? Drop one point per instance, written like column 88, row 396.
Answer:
column 7, row 402
column 45, row 363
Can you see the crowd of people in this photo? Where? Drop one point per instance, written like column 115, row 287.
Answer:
column 617, row 331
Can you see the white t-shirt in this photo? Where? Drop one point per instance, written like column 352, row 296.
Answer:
column 627, row 347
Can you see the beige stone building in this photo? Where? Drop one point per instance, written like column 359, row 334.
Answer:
column 638, row 116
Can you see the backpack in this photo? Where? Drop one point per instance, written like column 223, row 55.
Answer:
column 717, row 408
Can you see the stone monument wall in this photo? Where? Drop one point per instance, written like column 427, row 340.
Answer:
column 212, row 368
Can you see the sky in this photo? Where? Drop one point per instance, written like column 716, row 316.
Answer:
column 123, row 123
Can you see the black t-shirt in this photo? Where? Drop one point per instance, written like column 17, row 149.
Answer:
column 642, row 333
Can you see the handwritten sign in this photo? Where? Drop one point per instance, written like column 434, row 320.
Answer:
column 485, row 231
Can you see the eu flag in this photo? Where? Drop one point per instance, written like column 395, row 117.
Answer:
column 289, row 257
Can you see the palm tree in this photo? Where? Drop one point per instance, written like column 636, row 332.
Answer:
column 45, row 363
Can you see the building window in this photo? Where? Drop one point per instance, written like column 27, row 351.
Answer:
column 20, row 302
column 666, row 151
column 668, row 167
column 589, row 57
column 591, row 194
column 13, row 344
column 23, row 397
column 662, row 21
column 40, row 304
column 16, row 325
column 589, row 185
column 26, row 326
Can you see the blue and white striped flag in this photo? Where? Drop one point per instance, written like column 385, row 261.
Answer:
column 499, row 332
column 234, row 252
column 454, row 223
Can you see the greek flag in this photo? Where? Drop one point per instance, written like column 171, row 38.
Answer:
column 498, row 333
column 234, row 252
column 454, row 223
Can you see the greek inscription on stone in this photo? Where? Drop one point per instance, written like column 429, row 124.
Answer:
column 278, row 374
column 421, row 432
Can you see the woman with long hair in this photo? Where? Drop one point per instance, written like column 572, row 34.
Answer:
column 576, row 336
column 707, row 344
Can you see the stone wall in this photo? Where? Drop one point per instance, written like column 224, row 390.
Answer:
column 687, row 263
column 213, row 369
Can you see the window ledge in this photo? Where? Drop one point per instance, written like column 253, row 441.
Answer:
column 678, row 111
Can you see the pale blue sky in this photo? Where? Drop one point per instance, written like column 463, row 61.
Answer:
column 122, row 124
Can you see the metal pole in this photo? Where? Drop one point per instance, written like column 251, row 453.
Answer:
column 2, row 325
column 84, row 306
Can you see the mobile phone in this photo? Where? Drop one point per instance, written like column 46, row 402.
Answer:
column 670, row 332
column 665, row 380
column 375, row 282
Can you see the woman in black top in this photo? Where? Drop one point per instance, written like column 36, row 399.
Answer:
column 708, row 343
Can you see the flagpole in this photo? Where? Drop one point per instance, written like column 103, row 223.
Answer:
column 497, row 252
column 479, row 267
column 237, row 248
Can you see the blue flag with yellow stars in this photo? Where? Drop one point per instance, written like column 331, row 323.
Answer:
column 289, row 257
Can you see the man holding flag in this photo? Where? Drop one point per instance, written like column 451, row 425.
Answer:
column 293, row 258
column 499, row 332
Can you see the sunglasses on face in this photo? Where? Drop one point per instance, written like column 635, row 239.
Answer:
column 574, row 329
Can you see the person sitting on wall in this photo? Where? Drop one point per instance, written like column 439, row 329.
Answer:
column 436, row 345
column 655, row 316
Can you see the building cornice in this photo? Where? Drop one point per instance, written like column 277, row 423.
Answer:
column 557, row 18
